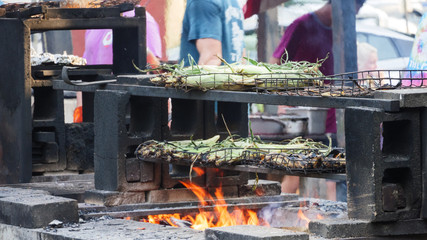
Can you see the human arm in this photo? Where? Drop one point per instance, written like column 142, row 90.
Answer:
column 209, row 49
column 274, row 60
column 202, row 33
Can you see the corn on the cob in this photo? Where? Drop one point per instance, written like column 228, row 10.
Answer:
column 298, row 152
column 238, row 76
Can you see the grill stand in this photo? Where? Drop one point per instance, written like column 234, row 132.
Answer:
column 38, row 144
column 383, row 174
column 385, row 184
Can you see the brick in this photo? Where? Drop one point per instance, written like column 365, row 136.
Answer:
column 408, row 98
column 49, row 133
column 393, row 197
column 114, row 149
column 387, row 151
column 113, row 198
column 170, row 180
column 249, row 232
column 79, row 146
column 35, row 211
column 171, row 195
column 148, row 172
column 263, row 188
column 339, row 228
column 227, row 191
column 215, row 178
column 133, row 170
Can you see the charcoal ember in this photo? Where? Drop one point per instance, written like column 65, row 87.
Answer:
column 59, row 59
column 56, row 224
column 95, row 3
column 14, row 7
column 110, row 3
column 337, row 153
column 80, row 4
column 180, row 223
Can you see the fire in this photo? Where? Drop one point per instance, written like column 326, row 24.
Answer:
column 307, row 220
column 301, row 216
column 198, row 171
column 219, row 217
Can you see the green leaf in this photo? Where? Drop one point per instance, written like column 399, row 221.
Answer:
column 254, row 187
column 252, row 61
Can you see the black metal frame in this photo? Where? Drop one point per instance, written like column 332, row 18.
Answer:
column 19, row 132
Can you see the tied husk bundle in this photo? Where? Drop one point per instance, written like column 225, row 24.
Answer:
column 298, row 153
column 238, row 76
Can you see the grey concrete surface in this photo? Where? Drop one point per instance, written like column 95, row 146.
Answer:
column 37, row 210
column 105, row 229
column 250, row 232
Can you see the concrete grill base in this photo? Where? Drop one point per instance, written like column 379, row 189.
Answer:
column 104, row 222
column 246, row 232
column 107, row 229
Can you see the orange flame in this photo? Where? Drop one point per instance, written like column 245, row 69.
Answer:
column 320, row 217
column 301, row 216
column 219, row 217
column 198, row 171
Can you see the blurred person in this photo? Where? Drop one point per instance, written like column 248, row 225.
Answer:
column 99, row 50
column 99, row 42
column 309, row 38
column 212, row 29
column 417, row 64
column 367, row 58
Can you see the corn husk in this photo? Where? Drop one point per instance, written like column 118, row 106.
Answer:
column 239, row 76
column 235, row 149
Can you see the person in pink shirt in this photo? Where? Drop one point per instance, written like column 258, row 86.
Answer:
column 99, row 50
column 99, row 42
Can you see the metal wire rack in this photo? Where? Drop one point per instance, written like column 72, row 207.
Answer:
column 287, row 160
column 352, row 84
column 299, row 160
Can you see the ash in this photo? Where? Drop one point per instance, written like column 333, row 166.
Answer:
column 107, row 228
column 287, row 217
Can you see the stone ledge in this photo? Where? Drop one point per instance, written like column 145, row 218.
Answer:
column 10, row 191
column 250, row 232
column 38, row 210
column 339, row 228
column 113, row 198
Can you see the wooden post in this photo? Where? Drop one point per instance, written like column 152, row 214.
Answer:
column 268, row 34
column 344, row 36
column 344, row 48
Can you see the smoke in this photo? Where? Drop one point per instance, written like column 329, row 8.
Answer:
column 268, row 213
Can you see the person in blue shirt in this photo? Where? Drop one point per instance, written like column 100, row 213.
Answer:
column 212, row 28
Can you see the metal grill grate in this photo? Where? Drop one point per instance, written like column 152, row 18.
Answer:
column 287, row 160
column 353, row 84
